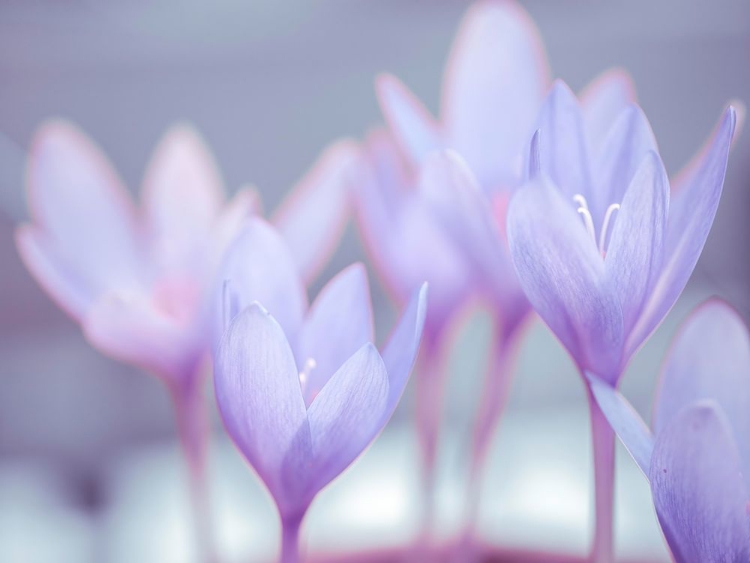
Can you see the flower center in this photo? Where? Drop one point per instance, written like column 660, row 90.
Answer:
column 588, row 221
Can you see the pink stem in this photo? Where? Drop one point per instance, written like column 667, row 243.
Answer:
column 192, row 427
column 290, row 528
column 602, row 549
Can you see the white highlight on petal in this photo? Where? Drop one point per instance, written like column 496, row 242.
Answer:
column 304, row 375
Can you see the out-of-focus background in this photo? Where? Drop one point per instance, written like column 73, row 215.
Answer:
column 89, row 467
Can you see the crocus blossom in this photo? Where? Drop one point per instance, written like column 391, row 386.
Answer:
column 697, row 459
column 303, row 392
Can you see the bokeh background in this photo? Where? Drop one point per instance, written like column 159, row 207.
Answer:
column 89, row 466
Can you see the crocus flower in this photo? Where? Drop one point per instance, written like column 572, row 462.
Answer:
column 697, row 459
column 601, row 251
column 303, row 392
column 139, row 280
column 453, row 232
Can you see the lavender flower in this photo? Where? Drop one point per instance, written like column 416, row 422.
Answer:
column 303, row 392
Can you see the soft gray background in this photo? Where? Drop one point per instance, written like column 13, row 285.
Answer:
column 269, row 84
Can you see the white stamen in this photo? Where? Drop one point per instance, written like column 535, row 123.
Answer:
column 607, row 217
column 588, row 221
column 304, row 375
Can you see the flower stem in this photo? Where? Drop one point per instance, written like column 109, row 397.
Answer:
column 602, row 549
column 192, row 427
column 290, row 528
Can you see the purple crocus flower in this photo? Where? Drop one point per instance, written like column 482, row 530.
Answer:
column 139, row 280
column 303, row 392
column 698, row 463
column 452, row 233
column 601, row 251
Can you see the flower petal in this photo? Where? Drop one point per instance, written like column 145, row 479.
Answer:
column 709, row 359
column 562, row 274
column 698, row 491
column 413, row 128
column 495, row 81
column 182, row 196
column 691, row 214
column 401, row 350
column 84, row 211
column 259, row 397
column 347, row 414
column 339, row 323
column 603, row 99
column 625, row 421
column 259, row 267
column 312, row 218
column 562, row 142
column 635, row 252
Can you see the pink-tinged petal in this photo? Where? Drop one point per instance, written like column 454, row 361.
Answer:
column 496, row 78
column 182, row 197
column 562, row 142
column 130, row 328
column 258, row 266
column 312, row 218
column 625, row 421
column 562, row 274
column 691, row 214
column 464, row 212
column 709, row 359
column 413, row 128
column 626, row 144
column 697, row 487
column 635, row 251
column 84, row 211
column 259, row 398
column 338, row 324
column 347, row 414
column 603, row 99
column 401, row 350
column 59, row 281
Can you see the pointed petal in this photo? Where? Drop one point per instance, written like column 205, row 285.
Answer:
column 259, row 397
column 182, row 196
column 259, row 267
column 691, row 214
column 347, row 413
column 709, row 359
column 625, row 421
column 603, row 99
column 635, row 252
column 562, row 144
column 413, row 128
column 401, row 350
column 697, row 487
column 495, row 81
column 313, row 216
column 244, row 205
column 562, row 274
column 339, row 323
column 628, row 141
column 84, row 211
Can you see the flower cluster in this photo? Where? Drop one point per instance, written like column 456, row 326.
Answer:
column 521, row 196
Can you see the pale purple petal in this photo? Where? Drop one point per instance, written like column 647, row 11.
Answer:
column 698, row 491
column 625, row 421
column 709, row 359
column 562, row 143
column 691, row 215
column 413, row 128
column 401, row 350
column 259, row 398
column 496, row 78
column 258, row 266
column 562, row 274
column 347, row 414
column 635, row 251
column 313, row 216
column 602, row 100
column 338, row 324
column 84, row 212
